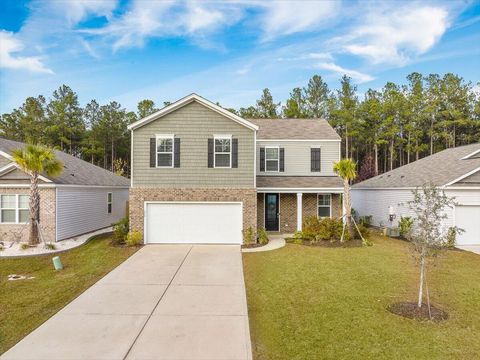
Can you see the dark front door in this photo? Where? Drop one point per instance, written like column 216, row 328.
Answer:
column 271, row 212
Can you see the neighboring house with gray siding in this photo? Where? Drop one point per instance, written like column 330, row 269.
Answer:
column 83, row 198
column 201, row 174
column 456, row 170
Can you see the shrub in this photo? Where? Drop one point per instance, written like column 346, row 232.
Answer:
column 262, row 236
column 405, row 225
column 248, row 236
column 451, row 238
column 120, row 231
column 134, row 238
column 365, row 220
column 327, row 229
column 50, row 246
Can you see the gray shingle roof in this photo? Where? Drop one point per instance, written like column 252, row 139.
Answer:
column 299, row 182
column 440, row 169
column 297, row 129
column 76, row 171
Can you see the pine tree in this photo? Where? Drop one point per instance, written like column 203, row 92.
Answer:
column 266, row 108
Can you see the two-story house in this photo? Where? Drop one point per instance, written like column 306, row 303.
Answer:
column 201, row 174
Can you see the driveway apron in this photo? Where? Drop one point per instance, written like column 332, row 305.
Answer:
column 164, row 302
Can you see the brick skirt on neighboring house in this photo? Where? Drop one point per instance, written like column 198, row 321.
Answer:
column 288, row 209
column 138, row 196
column 20, row 232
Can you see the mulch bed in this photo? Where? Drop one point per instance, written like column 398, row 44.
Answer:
column 412, row 311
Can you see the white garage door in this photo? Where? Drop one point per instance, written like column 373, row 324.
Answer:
column 468, row 219
column 189, row 223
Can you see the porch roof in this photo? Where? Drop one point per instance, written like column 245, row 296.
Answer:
column 300, row 183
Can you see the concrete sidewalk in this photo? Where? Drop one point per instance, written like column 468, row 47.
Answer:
column 164, row 302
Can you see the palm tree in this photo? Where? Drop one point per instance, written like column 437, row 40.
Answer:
column 346, row 169
column 36, row 160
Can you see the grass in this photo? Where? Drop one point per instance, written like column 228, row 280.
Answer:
column 330, row 303
column 25, row 304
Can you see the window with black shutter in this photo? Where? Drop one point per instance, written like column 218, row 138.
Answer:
column 315, row 159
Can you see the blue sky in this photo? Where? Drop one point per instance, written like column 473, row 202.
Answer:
column 129, row 50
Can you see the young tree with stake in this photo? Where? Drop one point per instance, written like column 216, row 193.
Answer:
column 427, row 235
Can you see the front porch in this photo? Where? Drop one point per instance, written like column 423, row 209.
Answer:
column 284, row 212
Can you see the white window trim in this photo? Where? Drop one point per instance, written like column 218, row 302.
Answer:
column 278, row 159
column 324, row 206
column 164, row 137
column 17, row 209
column 110, row 202
column 221, row 137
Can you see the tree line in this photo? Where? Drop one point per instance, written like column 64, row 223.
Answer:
column 381, row 130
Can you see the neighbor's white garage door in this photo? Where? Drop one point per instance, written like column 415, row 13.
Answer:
column 468, row 219
column 200, row 223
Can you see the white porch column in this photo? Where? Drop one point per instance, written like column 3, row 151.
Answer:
column 299, row 211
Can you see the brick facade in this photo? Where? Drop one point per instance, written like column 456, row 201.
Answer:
column 288, row 209
column 138, row 196
column 10, row 232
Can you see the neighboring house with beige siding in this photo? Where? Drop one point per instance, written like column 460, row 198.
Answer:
column 456, row 170
column 201, row 174
column 83, row 198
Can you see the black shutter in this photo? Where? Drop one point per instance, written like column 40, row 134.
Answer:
column 315, row 160
column 210, row 153
column 234, row 153
column 176, row 153
column 153, row 152
column 262, row 159
column 282, row 159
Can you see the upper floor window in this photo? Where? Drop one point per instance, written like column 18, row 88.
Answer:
column 164, row 150
column 272, row 159
column 324, row 205
column 223, row 151
column 109, row 202
column 14, row 209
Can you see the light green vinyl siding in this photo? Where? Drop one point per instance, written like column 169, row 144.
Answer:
column 297, row 157
column 194, row 124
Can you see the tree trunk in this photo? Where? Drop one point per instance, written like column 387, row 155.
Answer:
column 346, row 141
column 420, row 289
column 431, row 136
column 348, row 208
column 375, row 147
column 34, row 209
column 408, row 150
column 391, row 155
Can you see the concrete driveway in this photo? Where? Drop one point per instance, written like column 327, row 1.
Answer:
column 164, row 302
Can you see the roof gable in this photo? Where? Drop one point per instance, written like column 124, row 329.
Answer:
column 185, row 101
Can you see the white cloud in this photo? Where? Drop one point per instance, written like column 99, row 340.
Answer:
column 78, row 10
column 11, row 45
column 394, row 36
column 151, row 19
column 289, row 17
column 356, row 75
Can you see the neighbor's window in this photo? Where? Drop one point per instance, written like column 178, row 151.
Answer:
column 272, row 158
column 109, row 202
column 14, row 209
column 223, row 152
column 324, row 205
column 164, row 151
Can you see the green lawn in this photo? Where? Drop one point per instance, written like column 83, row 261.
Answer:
column 329, row 303
column 25, row 304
